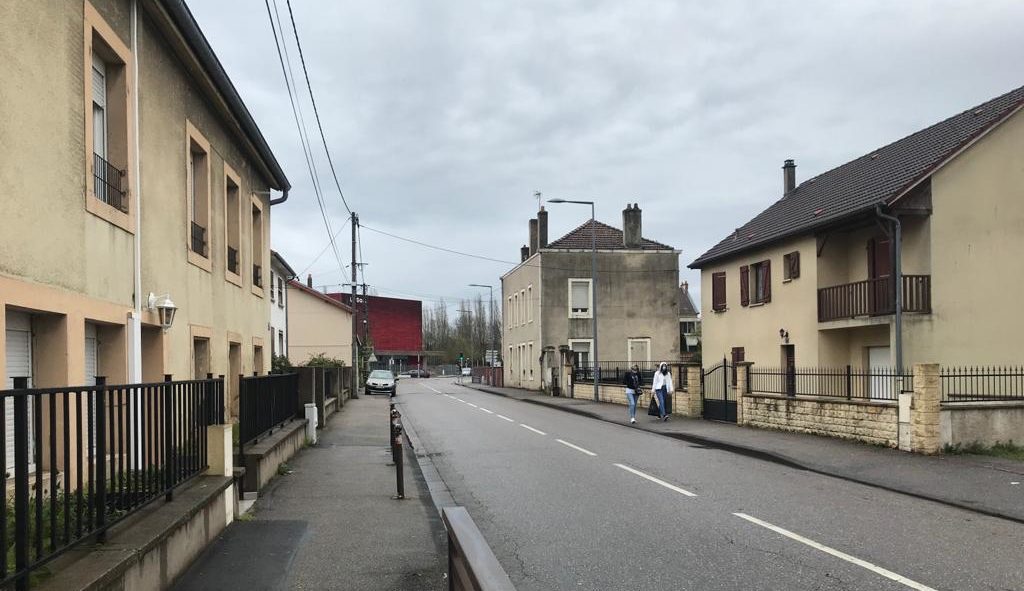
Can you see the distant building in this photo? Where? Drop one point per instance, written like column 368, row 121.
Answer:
column 395, row 328
column 689, row 322
column 280, row 273
column 549, row 302
column 318, row 325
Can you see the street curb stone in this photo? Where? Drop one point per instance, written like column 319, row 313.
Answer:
column 440, row 495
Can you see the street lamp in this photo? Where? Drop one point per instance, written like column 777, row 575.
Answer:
column 490, row 322
column 593, row 289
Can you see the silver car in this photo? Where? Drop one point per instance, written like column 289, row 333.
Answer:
column 381, row 381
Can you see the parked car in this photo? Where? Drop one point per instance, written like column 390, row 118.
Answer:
column 419, row 373
column 381, row 381
column 467, row 371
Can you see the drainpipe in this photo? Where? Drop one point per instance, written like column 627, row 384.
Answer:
column 135, row 318
column 898, row 272
column 282, row 198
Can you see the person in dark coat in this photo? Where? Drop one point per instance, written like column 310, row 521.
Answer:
column 632, row 381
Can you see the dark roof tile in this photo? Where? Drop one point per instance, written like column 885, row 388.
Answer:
column 608, row 238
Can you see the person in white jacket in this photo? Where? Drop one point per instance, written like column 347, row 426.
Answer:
column 662, row 388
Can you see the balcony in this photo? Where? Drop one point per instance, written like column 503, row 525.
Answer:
column 108, row 183
column 874, row 297
column 198, row 239
column 233, row 260
column 257, row 275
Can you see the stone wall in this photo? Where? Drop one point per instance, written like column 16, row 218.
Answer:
column 984, row 423
column 871, row 422
column 681, row 404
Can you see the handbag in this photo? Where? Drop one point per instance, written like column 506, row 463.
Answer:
column 652, row 408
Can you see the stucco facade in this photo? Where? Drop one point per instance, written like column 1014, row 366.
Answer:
column 318, row 325
column 67, row 257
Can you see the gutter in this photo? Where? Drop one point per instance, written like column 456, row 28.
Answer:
column 282, row 198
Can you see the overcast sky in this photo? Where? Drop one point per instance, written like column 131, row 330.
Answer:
column 444, row 117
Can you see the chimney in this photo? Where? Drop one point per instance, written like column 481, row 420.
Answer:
column 533, row 236
column 631, row 226
column 524, row 252
column 788, row 177
column 309, row 281
column 542, row 228
column 685, row 286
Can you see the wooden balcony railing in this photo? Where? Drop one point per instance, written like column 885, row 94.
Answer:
column 874, row 297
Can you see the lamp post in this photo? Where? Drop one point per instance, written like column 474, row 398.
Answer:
column 490, row 321
column 593, row 289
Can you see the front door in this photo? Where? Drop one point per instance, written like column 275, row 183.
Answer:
column 881, row 289
column 879, row 364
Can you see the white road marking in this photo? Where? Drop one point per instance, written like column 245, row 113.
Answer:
column 506, row 418
column 681, row 491
column 538, row 431
column 490, row 412
column 576, row 447
column 432, row 390
column 473, row 405
column 841, row 555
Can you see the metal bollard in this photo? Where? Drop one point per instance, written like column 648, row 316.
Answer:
column 396, row 422
column 396, row 451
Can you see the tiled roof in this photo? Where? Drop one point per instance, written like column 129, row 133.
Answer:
column 859, row 185
column 686, row 306
column 301, row 287
column 608, row 238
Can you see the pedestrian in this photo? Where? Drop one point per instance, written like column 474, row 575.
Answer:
column 633, row 382
column 662, row 388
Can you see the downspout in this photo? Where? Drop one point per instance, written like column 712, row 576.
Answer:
column 282, row 198
column 135, row 326
column 898, row 272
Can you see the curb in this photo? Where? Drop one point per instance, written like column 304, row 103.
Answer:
column 440, row 495
column 761, row 454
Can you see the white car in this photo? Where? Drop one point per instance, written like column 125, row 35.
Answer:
column 467, row 371
column 381, row 381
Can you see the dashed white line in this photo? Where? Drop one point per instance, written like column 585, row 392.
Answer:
column 538, row 431
column 503, row 417
column 841, row 555
column 681, row 491
column 473, row 405
column 576, row 447
column 490, row 412
column 432, row 390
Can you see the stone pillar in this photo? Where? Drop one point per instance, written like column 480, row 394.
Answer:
column 690, row 399
column 925, row 407
column 742, row 384
column 219, row 451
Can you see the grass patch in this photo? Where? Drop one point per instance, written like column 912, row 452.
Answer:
column 1008, row 450
column 284, row 469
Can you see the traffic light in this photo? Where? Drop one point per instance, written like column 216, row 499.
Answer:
column 462, row 359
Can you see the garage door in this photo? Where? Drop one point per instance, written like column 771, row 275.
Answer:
column 19, row 364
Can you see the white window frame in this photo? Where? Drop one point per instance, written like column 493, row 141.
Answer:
column 590, row 298
column 522, row 307
column 629, row 349
column 529, row 303
column 508, row 314
column 530, row 358
column 590, row 345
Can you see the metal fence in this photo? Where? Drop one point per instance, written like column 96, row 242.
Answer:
column 264, row 404
column 843, row 382
column 982, row 384
column 84, row 458
column 614, row 372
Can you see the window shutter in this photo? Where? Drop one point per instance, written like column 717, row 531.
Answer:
column 744, row 285
column 99, row 81
column 795, row 271
column 718, row 299
column 767, row 265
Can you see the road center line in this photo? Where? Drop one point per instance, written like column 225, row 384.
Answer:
column 432, row 390
column 538, row 431
column 490, row 412
column 503, row 417
column 681, row 491
column 473, row 405
column 841, row 555
column 576, row 447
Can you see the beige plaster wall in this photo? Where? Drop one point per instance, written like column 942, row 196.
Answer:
column 525, row 331
column 316, row 327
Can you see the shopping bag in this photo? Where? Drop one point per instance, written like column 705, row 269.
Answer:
column 652, row 409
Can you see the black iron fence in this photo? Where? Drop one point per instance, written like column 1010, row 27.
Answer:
column 84, row 458
column 198, row 239
column 108, row 183
column 614, row 372
column 841, row 382
column 982, row 384
column 266, row 403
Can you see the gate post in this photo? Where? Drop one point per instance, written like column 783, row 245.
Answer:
column 691, row 404
column 742, row 387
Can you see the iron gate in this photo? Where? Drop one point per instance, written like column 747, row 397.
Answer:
column 718, row 392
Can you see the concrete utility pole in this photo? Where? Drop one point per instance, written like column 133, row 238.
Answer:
column 366, row 314
column 355, row 349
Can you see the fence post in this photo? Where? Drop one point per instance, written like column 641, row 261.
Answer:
column 742, row 383
column 849, row 382
column 693, row 384
column 169, row 454
column 20, row 482
column 925, row 408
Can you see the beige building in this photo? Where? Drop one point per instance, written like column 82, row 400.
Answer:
column 812, row 280
column 549, row 302
column 317, row 324
column 131, row 167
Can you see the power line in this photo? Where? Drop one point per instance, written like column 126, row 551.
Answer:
column 328, row 245
column 316, row 111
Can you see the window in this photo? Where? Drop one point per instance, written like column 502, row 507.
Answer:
column 529, row 303
column 197, row 196
column 738, row 356
column 761, row 290
column 582, row 350
column 508, row 315
column 529, row 360
column 280, row 291
column 515, row 310
column 522, row 306
column 580, row 298
column 271, row 286
column 280, row 344
column 233, row 224
column 107, row 74
column 718, row 299
column 688, row 327
column 257, row 247
column 791, row 266
column 257, row 359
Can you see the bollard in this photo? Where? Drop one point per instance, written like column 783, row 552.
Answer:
column 396, row 450
column 395, row 421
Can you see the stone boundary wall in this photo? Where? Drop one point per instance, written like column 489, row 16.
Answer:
column 870, row 422
column 981, row 422
column 617, row 395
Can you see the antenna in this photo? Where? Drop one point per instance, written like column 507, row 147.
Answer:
column 539, row 199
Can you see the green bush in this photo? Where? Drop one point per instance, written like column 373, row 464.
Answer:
column 322, row 360
column 280, row 364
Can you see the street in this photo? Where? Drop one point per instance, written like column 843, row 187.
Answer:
column 567, row 502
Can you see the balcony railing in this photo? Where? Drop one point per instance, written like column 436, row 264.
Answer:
column 874, row 297
column 198, row 239
column 233, row 260
column 257, row 275
column 108, row 183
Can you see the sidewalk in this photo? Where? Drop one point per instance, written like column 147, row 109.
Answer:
column 992, row 486
column 330, row 523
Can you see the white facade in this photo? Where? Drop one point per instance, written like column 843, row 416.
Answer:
column 280, row 273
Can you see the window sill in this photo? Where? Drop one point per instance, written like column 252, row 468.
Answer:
column 108, row 212
column 788, row 280
column 722, row 311
column 757, row 304
column 199, row 260
column 583, row 316
column 257, row 291
column 233, row 278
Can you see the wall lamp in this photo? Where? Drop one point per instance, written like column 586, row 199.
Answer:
column 164, row 307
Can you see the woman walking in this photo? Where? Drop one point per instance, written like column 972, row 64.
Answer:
column 633, row 381
column 662, row 388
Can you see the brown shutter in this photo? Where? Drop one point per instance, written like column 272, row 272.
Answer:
column 796, row 266
column 744, row 285
column 767, row 281
column 718, row 291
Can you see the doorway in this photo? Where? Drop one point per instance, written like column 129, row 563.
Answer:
column 879, row 364
column 881, row 292
column 234, row 373
column 257, row 360
column 200, row 358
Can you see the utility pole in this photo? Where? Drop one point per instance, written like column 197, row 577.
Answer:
column 366, row 315
column 355, row 348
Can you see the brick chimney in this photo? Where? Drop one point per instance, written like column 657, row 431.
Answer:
column 524, row 252
column 631, row 226
column 309, row 281
column 533, row 236
column 685, row 286
column 788, row 177
column 542, row 228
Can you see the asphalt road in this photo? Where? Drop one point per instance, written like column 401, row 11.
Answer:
column 568, row 502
